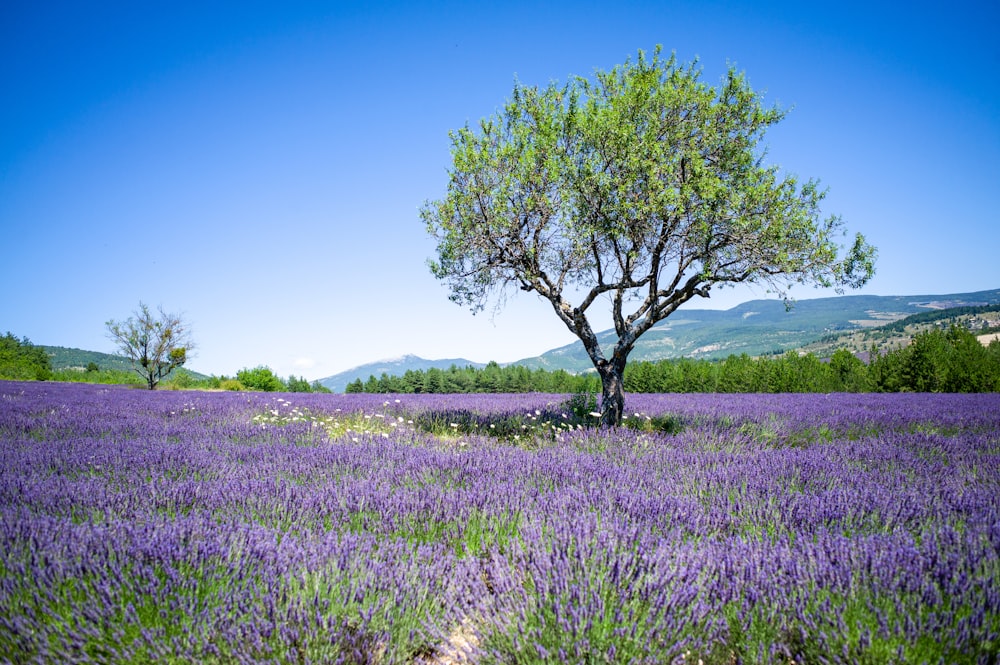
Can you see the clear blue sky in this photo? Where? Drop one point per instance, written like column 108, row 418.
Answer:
column 258, row 166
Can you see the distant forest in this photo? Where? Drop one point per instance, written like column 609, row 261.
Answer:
column 937, row 360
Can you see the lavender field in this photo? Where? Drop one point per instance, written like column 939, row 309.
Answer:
column 177, row 527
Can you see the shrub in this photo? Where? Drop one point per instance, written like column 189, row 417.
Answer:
column 182, row 380
column 260, row 378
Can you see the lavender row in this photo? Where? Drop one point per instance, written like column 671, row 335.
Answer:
column 163, row 525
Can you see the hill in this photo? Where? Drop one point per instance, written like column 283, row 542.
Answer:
column 61, row 357
column 757, row 327
column 392, row 367
column 760, row 327
column 983, row 320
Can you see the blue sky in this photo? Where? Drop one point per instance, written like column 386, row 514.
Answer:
column 259, row 166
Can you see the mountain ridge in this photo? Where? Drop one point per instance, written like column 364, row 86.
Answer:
column 396, row 366
column 755, row 327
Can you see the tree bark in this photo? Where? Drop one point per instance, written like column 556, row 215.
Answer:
column 612, row 392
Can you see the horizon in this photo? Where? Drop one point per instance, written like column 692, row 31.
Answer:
column 407, row 355
column 259, row 169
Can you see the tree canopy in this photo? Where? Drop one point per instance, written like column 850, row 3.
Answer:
column 20, row 359
column 642, row 187
column 156, row 344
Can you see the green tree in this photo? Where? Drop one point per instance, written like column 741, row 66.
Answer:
column 925, row 364
column 885, row 370
column 971, row 369
column 297, row 384
column 20, row 359
column 489, row 379
column 849, row 373
column 413, row 381
column 155, row 344
column 434, row 381
column 260, row 378
column 644, row 186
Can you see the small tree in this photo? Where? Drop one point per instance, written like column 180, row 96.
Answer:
column 645, row 187
column 156, row 345
column 260, row 378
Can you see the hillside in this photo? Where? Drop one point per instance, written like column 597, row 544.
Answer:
column 761, row 327
column 392, row 367
column 757, row 327
column 983, row 320
column 61, row 357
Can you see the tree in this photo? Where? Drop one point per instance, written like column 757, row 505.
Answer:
column 643, row 186
column 156, row 345
column 20, row 359
column 848, row 371
column 297, row 384
column 925, row 362
column 261, row 378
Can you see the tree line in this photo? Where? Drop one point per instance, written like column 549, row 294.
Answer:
column 936, row 360
column 950, row 360
column 20, row 360
column 490, row 379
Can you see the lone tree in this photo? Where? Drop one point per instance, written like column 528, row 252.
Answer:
column 156, row 345
column 645, row 187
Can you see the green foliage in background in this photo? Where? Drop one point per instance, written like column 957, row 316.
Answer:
column 260, row 378
column 950, row 360
column 491, row 379
column 22, row 360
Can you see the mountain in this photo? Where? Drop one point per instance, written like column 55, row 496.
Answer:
column 759, row 327
column 393, row 367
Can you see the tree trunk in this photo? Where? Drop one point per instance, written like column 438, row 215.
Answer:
column 612, row 393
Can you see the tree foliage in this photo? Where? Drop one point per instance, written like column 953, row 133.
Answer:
column 22, row 360
column 260, row 378
column 156, row 344
column 644, row 187
column 491, row 379
column 949, row 360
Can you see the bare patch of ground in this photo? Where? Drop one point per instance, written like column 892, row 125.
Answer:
column 986, row 339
